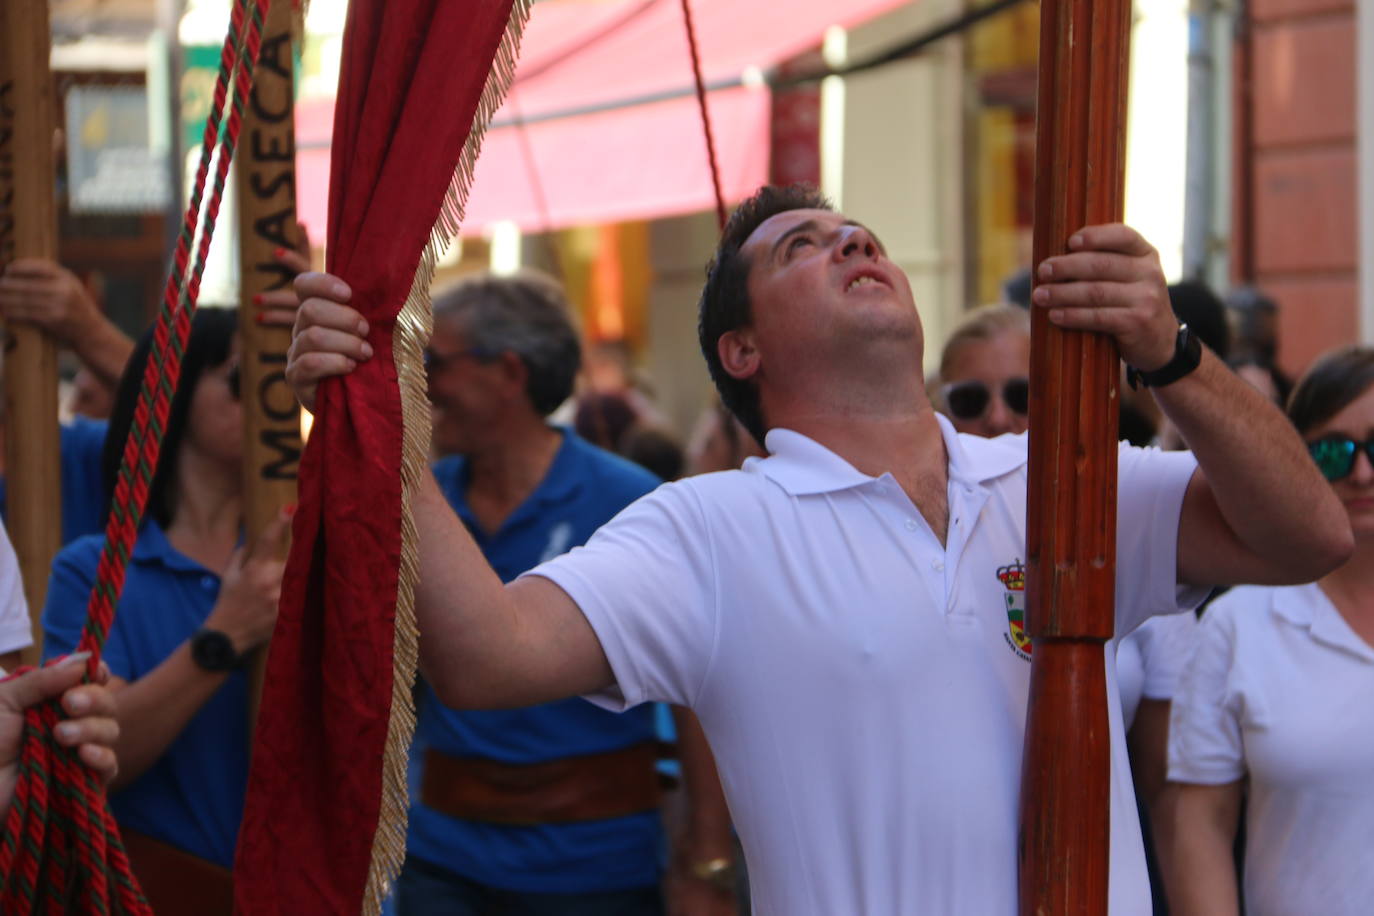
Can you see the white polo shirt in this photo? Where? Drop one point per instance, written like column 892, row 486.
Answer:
column 863, row 687
column 1150, row 659
column 1278, row 688
column 15, row 628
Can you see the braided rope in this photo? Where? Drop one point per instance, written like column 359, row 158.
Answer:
column 705, row 114
column 61, row 851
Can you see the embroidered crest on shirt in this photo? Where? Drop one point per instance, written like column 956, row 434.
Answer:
column 1013, row 578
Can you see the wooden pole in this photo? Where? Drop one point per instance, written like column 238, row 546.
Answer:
column 28, row 229
column 266, row 185
column 1071, row 499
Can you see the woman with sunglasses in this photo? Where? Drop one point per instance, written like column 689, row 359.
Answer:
column 1274, row 712
column 194, row 605
column 984, row 372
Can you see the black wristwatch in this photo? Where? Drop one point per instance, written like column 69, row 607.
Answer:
column 1187, row 357
column 213, row 651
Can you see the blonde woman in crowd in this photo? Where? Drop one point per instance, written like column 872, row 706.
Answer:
column 984, row 371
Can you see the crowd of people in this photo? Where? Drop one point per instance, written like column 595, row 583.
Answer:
column 793, row 643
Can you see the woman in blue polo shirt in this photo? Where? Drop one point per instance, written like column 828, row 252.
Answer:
column 193, row 605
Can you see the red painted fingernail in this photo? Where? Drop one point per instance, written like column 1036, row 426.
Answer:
column 260, row 317
column 290, row 509
column 257, row 298
column 278, row 252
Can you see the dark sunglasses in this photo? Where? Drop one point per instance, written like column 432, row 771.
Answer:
column 435, row 362
column 1335, row 455
column 232, row 379
column 969, row 400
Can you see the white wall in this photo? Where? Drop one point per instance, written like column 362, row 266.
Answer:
column 903, row 166
column 679, row 249
column 1157, row 127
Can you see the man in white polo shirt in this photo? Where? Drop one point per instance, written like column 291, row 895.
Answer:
column 845, row 615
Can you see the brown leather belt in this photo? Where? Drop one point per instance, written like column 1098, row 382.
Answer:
column 175, row 882
column 585, row 788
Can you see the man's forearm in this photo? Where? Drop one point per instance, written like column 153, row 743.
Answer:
column 104, row 350
column 708, row 817
column 1266, row 487
column 488, row 645
column 460, row 603
column 157, row 707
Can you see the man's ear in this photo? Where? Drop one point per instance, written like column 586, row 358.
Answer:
column 515, row 375
column 738, row 353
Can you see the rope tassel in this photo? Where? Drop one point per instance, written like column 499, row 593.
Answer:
column 61, row 851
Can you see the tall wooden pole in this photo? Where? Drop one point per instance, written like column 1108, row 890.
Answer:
column 1071, row 501
column 266, row 182
column 28, row 229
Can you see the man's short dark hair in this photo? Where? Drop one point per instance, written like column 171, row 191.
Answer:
column 724, row 304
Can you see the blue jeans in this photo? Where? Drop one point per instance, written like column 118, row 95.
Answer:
column 425, row 889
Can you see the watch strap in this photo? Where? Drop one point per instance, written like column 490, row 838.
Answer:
column 214, row 651
column 1187, row 357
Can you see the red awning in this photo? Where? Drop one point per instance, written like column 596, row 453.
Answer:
column 589, row 155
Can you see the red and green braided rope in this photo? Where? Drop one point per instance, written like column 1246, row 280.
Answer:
column 61, row 851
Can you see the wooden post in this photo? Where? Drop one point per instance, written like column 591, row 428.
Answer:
column 1071, row 499
column 28, row 229
column 266, row 183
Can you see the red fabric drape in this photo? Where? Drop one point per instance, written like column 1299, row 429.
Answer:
column 413, row 73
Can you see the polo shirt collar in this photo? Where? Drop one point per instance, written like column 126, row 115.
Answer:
column 975, row 460
column 563, row 478
column 802, row 466
column 152, row 546
column 1307, row 607
column 1299, row 605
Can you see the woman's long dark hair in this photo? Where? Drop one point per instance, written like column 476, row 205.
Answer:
column 210, row 343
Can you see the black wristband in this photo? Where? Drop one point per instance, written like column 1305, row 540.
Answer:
column 1187, row 357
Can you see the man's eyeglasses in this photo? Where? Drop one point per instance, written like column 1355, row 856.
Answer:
column 1335, row 455
column 435, row 362
column 969, row 400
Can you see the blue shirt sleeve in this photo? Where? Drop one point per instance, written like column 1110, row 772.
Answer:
column 69, row 592
column 621, row 481
column 83, row 485
column 82, row 445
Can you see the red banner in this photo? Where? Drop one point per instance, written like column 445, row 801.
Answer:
column 412, row 76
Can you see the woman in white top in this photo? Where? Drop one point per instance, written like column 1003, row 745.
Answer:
column 1274, row 710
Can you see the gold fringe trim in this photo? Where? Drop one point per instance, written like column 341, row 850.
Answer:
column 413, row 326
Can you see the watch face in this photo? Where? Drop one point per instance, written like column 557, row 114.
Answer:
column 213, row 651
